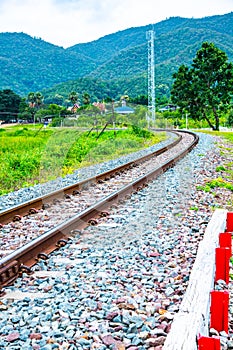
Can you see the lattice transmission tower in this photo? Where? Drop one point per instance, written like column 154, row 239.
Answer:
column 150, row 35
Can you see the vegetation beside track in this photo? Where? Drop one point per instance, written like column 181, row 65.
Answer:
column 33, row 154
column 225, row 170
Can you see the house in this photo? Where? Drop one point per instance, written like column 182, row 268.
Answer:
column 168, row 108
column 124, row 109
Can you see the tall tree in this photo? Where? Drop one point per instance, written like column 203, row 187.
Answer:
column 39, row 99
column 86, row 98
column 35, row 100
column 204, row 89
column 9, row 104
column 230, row 119
column 73, row 97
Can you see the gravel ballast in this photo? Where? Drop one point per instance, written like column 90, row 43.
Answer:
column 118, row 285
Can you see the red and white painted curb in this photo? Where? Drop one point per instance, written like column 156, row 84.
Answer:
column 219, row 307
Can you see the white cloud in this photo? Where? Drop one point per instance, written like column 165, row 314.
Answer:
column 69, row 22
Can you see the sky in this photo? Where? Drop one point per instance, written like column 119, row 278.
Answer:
column 69, row 22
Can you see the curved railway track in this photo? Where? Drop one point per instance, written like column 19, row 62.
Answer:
column 122, row 181
column 16, row 212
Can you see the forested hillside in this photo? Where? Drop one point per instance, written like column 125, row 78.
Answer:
column 31, row 64
column 112, row 65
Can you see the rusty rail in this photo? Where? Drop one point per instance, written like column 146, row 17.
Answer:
column 38, row 202
column 23, row 258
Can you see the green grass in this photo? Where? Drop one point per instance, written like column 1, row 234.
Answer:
column 29, row 155
column 226, row 178
column 194, row 208
column 220, row 168
column 217, row 183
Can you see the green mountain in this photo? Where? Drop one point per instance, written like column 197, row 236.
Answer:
column 31, row 64
column 112, row 65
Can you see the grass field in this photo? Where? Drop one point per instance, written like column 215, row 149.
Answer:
column 225, row 170
column 30, row 155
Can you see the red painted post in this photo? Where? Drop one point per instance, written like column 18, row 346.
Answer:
column 219, row 310
column 225, row 240
column 229, row 224
column 207, row 343
column 222, row 268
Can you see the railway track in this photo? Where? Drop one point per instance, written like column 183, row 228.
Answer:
column 52, row 231
column 29, row 207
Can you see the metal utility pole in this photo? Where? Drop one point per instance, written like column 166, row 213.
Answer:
column 150, row 35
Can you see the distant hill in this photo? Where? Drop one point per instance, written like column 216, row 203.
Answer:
column 31, row 64
column 111, row 65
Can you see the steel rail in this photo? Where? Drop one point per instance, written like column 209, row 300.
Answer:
column 38, row 202
column 25, row 257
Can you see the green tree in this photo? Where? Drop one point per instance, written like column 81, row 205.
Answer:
column 86, row 98
column 204, row 89
column 73, row 97
column 9, row 104
column 230, row 119
column 39, row 100
column 140, row 99
column 35, row 100
column 24, row 109
column 58, row 99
